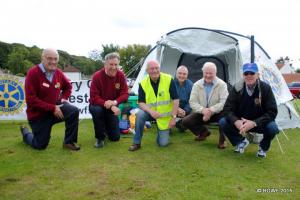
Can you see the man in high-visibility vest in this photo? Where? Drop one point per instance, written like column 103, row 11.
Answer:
column 158, row 100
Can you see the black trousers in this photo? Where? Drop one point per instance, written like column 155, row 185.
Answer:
column 41, row 129
column 194, row 122
column 105, row 122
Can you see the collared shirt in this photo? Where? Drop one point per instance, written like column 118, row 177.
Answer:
column 208, row 88
column 49, row 75
column 250, row 90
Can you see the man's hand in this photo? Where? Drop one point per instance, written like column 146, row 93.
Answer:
column 108, row 104
column 115, row 110
column 181, row 112
column 154, row 114
column 247, row 125
column 238, row 124
column 206, row 114
column 64, row 100
column 172, row 123
column 58, row 113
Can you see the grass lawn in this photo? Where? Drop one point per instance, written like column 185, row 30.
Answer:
column 186, row 169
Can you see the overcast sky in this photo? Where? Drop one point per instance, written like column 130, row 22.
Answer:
column 79, row 26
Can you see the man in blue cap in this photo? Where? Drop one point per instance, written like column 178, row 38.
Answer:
column 250, row 107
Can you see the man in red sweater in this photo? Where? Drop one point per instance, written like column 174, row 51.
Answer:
column 108, row 90
column 47, row 90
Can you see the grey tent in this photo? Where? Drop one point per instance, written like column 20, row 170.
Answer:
column 193, row 47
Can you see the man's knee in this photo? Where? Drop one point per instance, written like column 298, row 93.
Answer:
column 40, row 146
column 272, row 129
column 222, row 122
column 114, row 138
column 140, row 114
column 163, row 142
column 96, row 110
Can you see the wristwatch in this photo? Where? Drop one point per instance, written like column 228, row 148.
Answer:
column 115, row 102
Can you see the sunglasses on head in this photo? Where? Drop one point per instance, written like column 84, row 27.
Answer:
column 249, row 73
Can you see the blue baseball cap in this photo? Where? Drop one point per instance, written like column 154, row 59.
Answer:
column 250, row 67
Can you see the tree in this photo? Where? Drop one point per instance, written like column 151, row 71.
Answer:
column 132, row 54
column 5, row 49
column 35, row 55
column 17, row 60
column 106, row 49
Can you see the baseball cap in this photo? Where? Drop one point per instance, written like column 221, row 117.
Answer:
column 250, row 67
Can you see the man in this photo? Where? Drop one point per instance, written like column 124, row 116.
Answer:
column 250, row 107
column 108, row 90
column 158, row 100
column 184, row 88
column 207, row 100
column 47, row 90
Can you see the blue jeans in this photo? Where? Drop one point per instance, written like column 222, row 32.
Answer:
column 162, row 138
column 269, row 131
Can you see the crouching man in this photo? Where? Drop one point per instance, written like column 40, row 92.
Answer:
column 250, row 107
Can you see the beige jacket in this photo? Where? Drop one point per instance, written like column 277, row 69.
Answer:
column 216, row 99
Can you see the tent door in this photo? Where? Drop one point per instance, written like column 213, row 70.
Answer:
column 195, row 63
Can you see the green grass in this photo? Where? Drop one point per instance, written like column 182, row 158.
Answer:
column 186, row 169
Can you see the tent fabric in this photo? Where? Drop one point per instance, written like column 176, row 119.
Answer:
column 193, row 47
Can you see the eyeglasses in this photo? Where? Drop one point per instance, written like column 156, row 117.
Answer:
column 248, row 73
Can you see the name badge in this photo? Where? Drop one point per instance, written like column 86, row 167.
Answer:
column 46, row 85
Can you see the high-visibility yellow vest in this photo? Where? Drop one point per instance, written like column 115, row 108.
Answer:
column 161, row 103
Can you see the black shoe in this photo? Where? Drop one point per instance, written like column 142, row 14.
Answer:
column 99, row 143
column 24, row 132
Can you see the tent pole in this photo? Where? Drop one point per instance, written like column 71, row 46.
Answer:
column 279, row 145
column 285, row 134
column 252, row 49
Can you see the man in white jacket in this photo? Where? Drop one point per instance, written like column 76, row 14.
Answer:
column 207, row 100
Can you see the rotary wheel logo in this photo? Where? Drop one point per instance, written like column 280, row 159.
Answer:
column 12, row 96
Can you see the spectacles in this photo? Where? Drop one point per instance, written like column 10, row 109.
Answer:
column 248, row 73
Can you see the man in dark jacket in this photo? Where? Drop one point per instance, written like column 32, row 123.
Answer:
column 250, row 107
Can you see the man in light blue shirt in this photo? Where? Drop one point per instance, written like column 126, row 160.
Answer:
column 184, row 88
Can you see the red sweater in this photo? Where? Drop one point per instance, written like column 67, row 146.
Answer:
column 104, row 87
column 41, row 95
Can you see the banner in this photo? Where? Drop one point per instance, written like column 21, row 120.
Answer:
column 13, row 104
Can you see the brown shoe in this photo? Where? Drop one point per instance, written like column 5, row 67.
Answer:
column 222, row 145
column 202, row 136
column 134, row 147
column 72, row 146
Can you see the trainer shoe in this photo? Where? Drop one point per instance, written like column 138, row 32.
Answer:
column 261, row 153
column 99, row 143
column 240, row 148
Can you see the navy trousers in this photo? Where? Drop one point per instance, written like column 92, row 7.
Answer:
column 105, row 122
column 269, row 131
column 41, row 129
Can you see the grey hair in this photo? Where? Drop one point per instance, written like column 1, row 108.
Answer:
column 112, row 55
column 183, row 67
column 210, row 65
column 48, row 50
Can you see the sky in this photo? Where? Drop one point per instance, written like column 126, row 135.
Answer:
column 80, row 26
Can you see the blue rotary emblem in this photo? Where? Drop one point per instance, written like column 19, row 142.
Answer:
column 12, row 96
